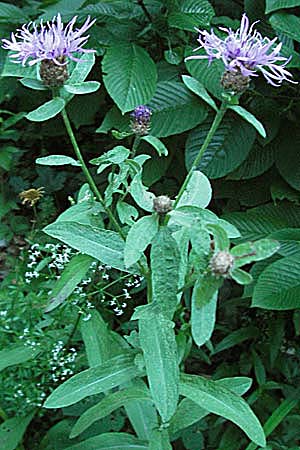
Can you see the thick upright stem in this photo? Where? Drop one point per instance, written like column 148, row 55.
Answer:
column 217, row 120
column 87, row 174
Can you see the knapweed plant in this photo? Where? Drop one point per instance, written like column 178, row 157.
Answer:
column 177, row 253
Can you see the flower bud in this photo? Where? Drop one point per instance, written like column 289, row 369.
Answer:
column 140, row 123
column 235, row 82
column 162, row 205
column 221, row 264
column 52, row 74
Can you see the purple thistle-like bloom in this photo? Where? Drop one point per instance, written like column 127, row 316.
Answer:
column 50, row 42
column 246, row 51
column 141, row 117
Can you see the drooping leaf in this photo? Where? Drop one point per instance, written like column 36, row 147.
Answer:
column 84, row 87
column 288, row 24
column 108, row 375
column 205, row 289
column 236, row 338
column 198, row 89
column 158, row 343
column 139, row 237
column 157, row 144
column 219, row 400
column 191, row 14
column 140, row 194
column 47, row 110
column 249, row 118
column 273, row 5
column 129, row 75
column 106, row 406
column 72, row 274
column 203, row 320
column 254, row 251
column 57, row 160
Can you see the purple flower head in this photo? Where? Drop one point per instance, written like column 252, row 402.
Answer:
column 48, row 42
column 141, row 114
column 246, row 51
column 140, row 123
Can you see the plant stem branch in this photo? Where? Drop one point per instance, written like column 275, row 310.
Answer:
column 217, row 120
column 87, row 174
column 146, row 12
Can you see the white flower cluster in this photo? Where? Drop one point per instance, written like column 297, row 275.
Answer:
column 62, row 363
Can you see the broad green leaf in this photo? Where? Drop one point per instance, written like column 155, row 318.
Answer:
column 165, row 260
column 115, row 156
column 249, row 252
column 198, row 89
column 221, row 401
column 16, row 354
column 11, row 69
column 249, row 118
column 273, row 5
column 175, row 109
column 287, row 159
column 209, row 75
column 289, row 240
column 111, row 441
column 259, row 160
column 108, row 375
column 34, row 84
column 57, row 160
column 139, row 237
column 157, row 144
column 106, row 406
column 100, row 342
column 104, row 245
column 140, row 194
column 129, row 75
column 127, row 213
column 288, row 24
column 191, row 14
column 12, row 431
column 203, row 320
column 241, row 277
column 114, row 119
column 228, row 148
column 72, row 274
column 11, row 14
column 278, row 286
column 79, row 73
column 205, row 289
column 47, row 110
column 159, row 440
column 158, row 343
column 82, row 88
column 198, row 191
column 236, row 338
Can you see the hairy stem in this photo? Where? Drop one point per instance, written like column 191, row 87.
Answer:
column 214, row 126
column 87, row 174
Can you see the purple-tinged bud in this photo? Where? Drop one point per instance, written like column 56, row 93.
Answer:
column 235, row 82
column 162, row 205
column 53, row 75
column 221, row 264
column 140, row 120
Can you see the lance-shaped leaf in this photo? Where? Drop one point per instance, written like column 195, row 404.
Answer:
column 104, row 245
column 203, row 319
column 198, row 89
column 158, row 343
column 72, row 274
column 12, row 431
column 159, row 440
column 108, row 375
column 165, row 262
column 139, row 237
column 111, row 441
column 254, row 251
column 249, row 118
column 57, row 160
column 205, row 288
column 16, row 354
column 109, row 404
column 47, row 110
column 223, row 402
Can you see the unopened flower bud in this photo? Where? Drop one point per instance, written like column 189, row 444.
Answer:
column 221, row 264
column 162, row 204
column 235, row 82
column 141, row 117
column 52, row 74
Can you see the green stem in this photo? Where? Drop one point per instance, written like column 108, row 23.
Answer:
column 87, row 174
column 217, row 120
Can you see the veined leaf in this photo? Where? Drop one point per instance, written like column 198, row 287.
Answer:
column 288, row 24
column 129, row 75
column 157, row 340
column 219, row 400
column 108, row 375
column 198, row 89
column 16, row 354
column 273, row 5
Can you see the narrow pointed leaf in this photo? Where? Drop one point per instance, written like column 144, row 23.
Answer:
column 139, row 237
column 198, row 89
column 47, row 110
column 203, row 319
column 249, row 118
column 111, row 441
